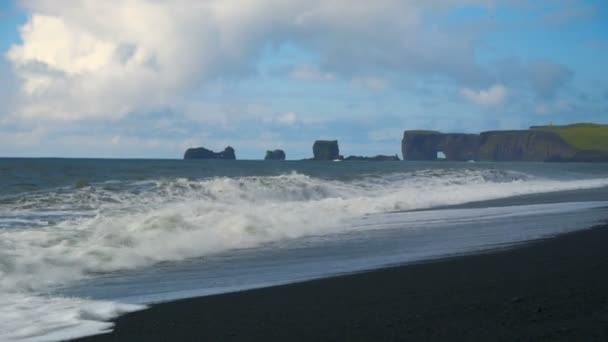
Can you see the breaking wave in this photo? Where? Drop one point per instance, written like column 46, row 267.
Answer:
column 56, row 237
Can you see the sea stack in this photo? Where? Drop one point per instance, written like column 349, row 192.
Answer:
column 203, row 153
column 326, row 150
column 275, row 155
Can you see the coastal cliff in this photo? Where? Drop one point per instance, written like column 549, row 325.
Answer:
column 203, row 153
column 542, row 143
column 524, row 146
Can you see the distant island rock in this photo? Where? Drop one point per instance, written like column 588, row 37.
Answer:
column 375, row 158
column 326, row 150
column 203, row 153
column 275, row 155
column 572, row 143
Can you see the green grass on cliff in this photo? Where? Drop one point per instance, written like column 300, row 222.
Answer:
column 584, row 136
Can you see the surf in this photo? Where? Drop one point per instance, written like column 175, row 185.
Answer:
column 67, row 234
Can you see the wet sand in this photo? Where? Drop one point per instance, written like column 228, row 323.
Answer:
column 550, row 290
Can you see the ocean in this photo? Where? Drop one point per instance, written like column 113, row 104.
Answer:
column 85, row 240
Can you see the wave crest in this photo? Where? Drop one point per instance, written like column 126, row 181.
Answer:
column 123, row 225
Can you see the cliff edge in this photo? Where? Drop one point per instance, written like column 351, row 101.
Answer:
column 541, row 143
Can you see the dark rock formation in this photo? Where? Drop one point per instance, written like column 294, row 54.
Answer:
column 424, row 145
column 326, row 150
column 375, row 158
column 275, row 155
column 203, row 153
column 524, row 145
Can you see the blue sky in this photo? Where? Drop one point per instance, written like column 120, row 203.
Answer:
column 149, row 78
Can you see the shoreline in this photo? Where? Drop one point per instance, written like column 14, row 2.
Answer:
column 550, row 289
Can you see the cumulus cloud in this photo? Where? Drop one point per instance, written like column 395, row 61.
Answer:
column 493, row 96
column 85, row 59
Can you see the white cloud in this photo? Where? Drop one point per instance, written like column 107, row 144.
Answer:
column 288, row 119
column 496, row 95
column 84, row 59
column 70, row 51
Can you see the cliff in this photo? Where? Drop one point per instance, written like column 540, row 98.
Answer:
column 545, row 143
column 203, row 153
column 524, row 146
column 326, row 150
column 275, row 155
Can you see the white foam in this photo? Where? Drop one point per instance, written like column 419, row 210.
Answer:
column 27, row 317
column 169, row 220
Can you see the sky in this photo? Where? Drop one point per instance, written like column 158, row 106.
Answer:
column 150, row 78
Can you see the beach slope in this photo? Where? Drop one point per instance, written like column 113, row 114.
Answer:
column 549, row 290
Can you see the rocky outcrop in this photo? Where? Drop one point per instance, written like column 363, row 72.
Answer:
column 375, row 158
column 424, row 145
column 524, row 145
column 275, row 155
column 326, row 150
column 203, row 153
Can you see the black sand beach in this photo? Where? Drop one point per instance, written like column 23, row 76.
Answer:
column 550, row 290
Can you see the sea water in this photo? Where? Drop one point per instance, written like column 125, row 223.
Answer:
column 84, row 240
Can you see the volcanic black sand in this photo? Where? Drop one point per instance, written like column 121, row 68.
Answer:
column 550, row 290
